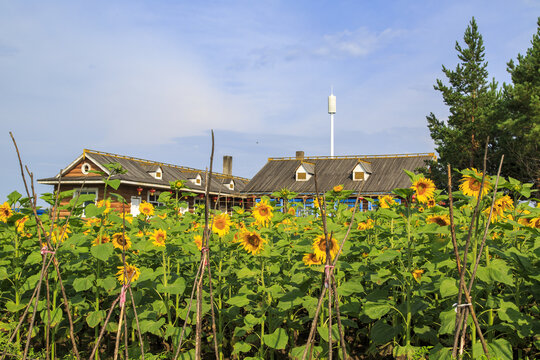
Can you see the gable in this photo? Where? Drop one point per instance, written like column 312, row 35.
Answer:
column 82, row 168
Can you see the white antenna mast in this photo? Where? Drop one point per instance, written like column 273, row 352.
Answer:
column 332, row 111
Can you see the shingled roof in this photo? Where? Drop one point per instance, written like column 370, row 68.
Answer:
column 385, row 173
column 139, row 172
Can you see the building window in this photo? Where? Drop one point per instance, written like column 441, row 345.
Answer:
column 301, row 176
column 85, row 168
column 86, row 191
column 358, row 175
column 153, row 198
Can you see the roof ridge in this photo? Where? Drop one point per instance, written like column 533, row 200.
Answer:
column 96, row 152
column 359, row 157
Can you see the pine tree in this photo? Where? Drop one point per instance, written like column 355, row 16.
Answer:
column 471, row 100
column 520, row 130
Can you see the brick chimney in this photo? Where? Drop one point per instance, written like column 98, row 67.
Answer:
column 299, row 155
column 227, row 165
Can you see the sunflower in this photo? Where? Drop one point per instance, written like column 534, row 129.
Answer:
column 5, row 212
column 366, row 225
column 441, row 220
column 431, row 203
column 386, row 201
column 338, row 188
column 319, row 248
column 197, row 239
column 417, row 274
column 316, row 203
column 19, row 224
column 311, row 259
column 424, row 189
column 535, row 223
column 146, row 209
column 159, row 236
column 502, row 204
column 59, row 234
column 221, row 224
column 262, row 212
column 120, row 241
column 106, row 204
column 252, row 241
column 127, row 272
column 470, row 185
column 103, row 239
column 291, row 211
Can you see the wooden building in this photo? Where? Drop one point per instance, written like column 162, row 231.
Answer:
column 375, row 175
column 144, row 180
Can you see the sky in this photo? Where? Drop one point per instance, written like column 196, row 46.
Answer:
column 150, row 79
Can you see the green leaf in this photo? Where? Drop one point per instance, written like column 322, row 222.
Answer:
column 239, row 301
column 13, row 197
column 82, row 284
column 12, row 307
column 448, row 320
column 323, row 332
column 386, row 256
column 115, row 184
column 176, row 288
column 3, row 273
column 91, row 210
column 95, row 317
column 241, row 347
column 56, row 316
column 448, row 288
column 118, row 197
column 350, row 287
column 376, row 310
column 151, row 326
column 34, row 258
column 102, row 251
column 276, row 340
column 381, row 332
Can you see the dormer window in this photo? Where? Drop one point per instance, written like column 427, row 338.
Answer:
column 197, row 180
column 361, row 171
column 230, row 185
column 305, row 171
column 157, row 173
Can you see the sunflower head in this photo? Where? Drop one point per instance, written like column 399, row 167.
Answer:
column 319, row 247
column 471, row 184
column 158, row 237
column 424, row 189
column 386, row 201
column 417, row 274
column 311, row 259
column 441, row 220
column 120, row 241
column 338, row 188
column 501, row 205
column 5, row 212
column 128, row 272
column 262, row 212
column 197, row 240
column 222, row 224
column 19, row 224
column 146, row 209
column 106, row 204
column 251, row 241
column 291, row 211
column 103, row 239
column 366, row 225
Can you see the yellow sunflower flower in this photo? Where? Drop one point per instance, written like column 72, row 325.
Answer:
column 386, row 201
column 59, row 234
column 338, row 188
column 311, row 259
column 19, row 224
column 5, row 212
column 431, row 203
column 319, row 248
column 120, row 241
column 441, row 220
column 197, row 239
column 222, row 224
column 106, row 204
column 502, row 204
column 252, row 241
column 535, row 223
column 101, row 240
column 146, row 209
column 424, row 189
column 291, row 211
column 417, row 274
column 159, row 236
column 366, row 225
column 128, row 272
column 262, row 212
column 470, row 185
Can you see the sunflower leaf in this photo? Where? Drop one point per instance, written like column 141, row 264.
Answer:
column 276, row 340
column 102, row 251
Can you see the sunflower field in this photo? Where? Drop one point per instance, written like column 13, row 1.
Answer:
column 397, row 280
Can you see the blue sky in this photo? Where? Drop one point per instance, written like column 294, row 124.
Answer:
column 151, row 78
